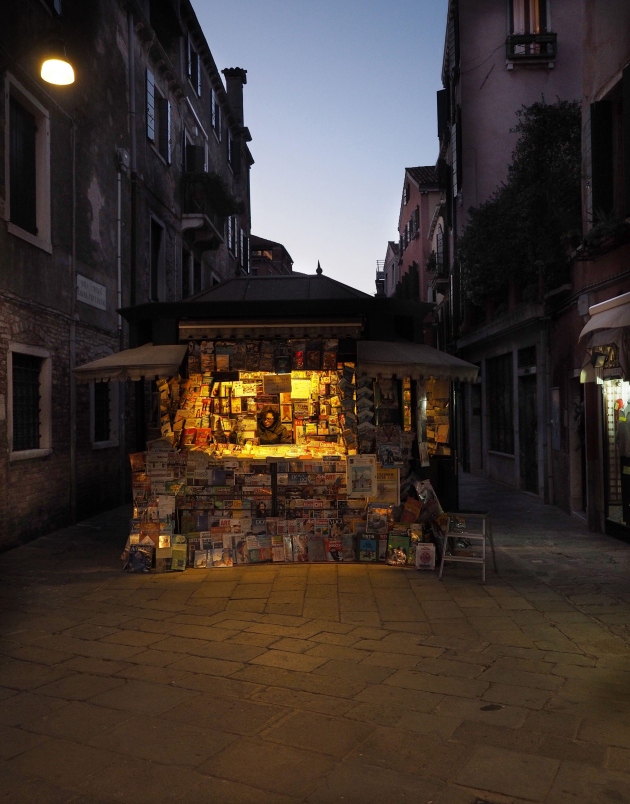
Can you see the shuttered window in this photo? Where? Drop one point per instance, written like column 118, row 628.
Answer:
column 194, row 68
column 216, row 114
column 164, row 120
column 158, row 119
column 150, row 106
column 26, row 401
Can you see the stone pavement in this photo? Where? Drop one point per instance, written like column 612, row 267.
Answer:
column 319, row 683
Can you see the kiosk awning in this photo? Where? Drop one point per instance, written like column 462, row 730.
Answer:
column 133, row 364
column 611, row 314
column 415, row 360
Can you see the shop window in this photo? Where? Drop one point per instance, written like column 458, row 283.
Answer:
column 29, row 401
column 158, row 119
column 104, row 414
column 500, row 401
column 157, row 279
column 28, row 183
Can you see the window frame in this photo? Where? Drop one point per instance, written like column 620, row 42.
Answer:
column 45, row 392
column 193, row 59
column 158, row 110
column 42, row 239
column 113, row 440
column 215, row 110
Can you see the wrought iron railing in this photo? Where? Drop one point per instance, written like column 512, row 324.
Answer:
column 531, row 46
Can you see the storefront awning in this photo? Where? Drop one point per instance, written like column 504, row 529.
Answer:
column 415, row 360
column 611, row 314
column 133, row 364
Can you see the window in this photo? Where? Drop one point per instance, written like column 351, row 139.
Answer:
column 158, row 119
column 609, row 194
column 500, row 394
column 216, row 114
column 104, row 414
column 29, row 401
column 27, row 163
column 54, row 6
column 231, row 237
column 406, row 193
column 157, row 290
column 528, row 16
column 241, row 249
column 529, row 31
column 194, row 68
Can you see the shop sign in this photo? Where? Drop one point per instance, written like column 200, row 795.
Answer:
column 91, row 293
column 277, row 384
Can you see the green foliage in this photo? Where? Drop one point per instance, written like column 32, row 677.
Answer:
column 211, row 189
column 520, row 233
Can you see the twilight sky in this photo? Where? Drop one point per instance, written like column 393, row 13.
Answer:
column 340, row 98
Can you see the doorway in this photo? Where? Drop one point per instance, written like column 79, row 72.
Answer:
column 528, row 432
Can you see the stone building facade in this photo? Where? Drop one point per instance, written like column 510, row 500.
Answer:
column 130, row 185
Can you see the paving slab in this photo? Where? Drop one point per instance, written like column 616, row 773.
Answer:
column 320, row 683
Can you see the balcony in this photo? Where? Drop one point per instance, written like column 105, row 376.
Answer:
column 206, row 202
column 531, row 47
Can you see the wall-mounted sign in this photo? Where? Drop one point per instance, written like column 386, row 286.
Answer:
column 91, row 293
column 277, row 383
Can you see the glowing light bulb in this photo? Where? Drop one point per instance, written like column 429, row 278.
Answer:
column 57, row 71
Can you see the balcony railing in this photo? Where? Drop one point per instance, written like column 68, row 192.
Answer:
column 197, row 200
column 531, row 47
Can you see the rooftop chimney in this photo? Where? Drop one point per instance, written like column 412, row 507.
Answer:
column 235, row 77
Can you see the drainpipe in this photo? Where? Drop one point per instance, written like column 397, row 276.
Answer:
column 73, row 335
column 121, row 385
column 133, row 229
column 545, row 366
column 132, row 156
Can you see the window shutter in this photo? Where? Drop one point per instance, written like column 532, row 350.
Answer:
column 219, row 121
column 150, row 106
column 164, row 120
column 241, row 247
column 229, row 147
column 198, row 74
column 625, row 119
column 189, row 58
column 213, row 108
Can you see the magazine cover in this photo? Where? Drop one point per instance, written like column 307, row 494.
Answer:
column 367, row 550
column 397, row 548
column 378, row 520
column 334, row 548
column 387, row 486
column 316, row 548
column 361, row 475
column 300, row 549
column 288, row 548
column 347, row 542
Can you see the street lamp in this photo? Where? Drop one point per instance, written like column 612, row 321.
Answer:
column 56, row 69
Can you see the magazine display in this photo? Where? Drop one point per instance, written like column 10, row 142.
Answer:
column 263, row 458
